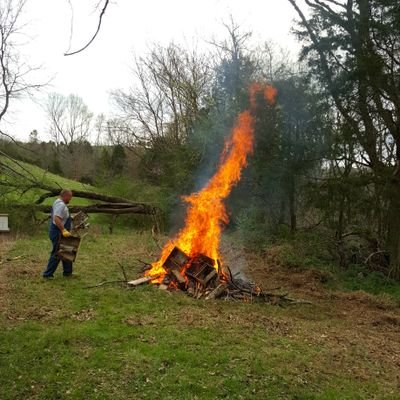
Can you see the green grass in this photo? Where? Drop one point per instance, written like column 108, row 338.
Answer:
column 59, row 340
column 357, row 277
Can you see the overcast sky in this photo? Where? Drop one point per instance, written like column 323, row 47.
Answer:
column 130, row 26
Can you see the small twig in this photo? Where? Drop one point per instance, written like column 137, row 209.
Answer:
column 143, row 262
column 153, row 235
column 123, row 271
column 295, row 301
column 104, row 283
column 275, row 288
column 373, row 254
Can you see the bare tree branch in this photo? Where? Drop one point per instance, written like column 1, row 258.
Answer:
column 172, row 86
column 95, row 34
column 13, row 71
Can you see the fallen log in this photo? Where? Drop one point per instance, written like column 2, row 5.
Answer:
column 52, row 192
column 107, row 208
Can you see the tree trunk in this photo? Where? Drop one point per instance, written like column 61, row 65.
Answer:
column 340, row 225
column 393, row 240
column 292, row 204
column 282, row 211
column 379, row 215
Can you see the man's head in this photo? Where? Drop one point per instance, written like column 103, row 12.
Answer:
column 66, row 195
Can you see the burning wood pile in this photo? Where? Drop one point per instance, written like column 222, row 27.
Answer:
column 198, row 275
column 201, row 278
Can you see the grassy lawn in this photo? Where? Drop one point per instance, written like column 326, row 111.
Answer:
column 60, row 340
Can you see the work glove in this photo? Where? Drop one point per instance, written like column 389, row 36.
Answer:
column 66, row 233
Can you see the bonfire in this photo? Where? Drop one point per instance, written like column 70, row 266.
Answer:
column 191, row 261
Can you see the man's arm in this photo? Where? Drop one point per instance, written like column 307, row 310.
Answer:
column 60, row 226
column 58, row 222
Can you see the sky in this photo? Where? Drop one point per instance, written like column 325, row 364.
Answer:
column 129, row 28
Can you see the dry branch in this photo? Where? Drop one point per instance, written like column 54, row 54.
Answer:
column 106, row 3
column 217, row 292
column 141, row 281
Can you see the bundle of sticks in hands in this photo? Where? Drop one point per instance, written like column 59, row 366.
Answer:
column 68, row 247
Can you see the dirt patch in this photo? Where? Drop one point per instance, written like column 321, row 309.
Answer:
column 349, row 326
column 32, row 313
column 84, row 315
column 390, row 321
column 6, row 244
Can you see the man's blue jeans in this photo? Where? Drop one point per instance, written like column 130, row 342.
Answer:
column 54, row 235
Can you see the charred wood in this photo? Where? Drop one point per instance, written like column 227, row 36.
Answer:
column 217, row 292
column 178, row 276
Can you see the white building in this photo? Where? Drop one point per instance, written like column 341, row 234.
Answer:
column 4, row 223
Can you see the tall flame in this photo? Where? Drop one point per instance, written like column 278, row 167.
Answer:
column 206, row 213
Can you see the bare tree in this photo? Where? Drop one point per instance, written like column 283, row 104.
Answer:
column 118, row 132
column 235, row 45
column 172, row 84
column 69, row 117
column 274, row 62
column 14, row 72
column 99, row 129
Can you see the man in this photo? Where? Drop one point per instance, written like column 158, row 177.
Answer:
column 60, row 224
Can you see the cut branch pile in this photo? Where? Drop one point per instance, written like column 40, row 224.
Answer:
column 200, row 278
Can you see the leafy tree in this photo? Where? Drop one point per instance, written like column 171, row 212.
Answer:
column 118, row 159
column 353, row 49
column 172, row 84
column 34, row 136
column 304, row 138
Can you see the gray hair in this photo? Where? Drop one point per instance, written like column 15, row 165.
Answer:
column 65, row 191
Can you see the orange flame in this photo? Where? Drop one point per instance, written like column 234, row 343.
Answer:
column 206, row 213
